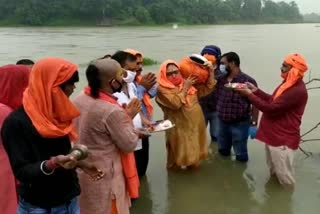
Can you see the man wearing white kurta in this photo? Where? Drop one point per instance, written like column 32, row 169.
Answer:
column 125, row 98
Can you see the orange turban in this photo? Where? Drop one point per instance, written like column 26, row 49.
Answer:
column 48, row 107
column 297, row 61
column 211, row 58
column 299, row 67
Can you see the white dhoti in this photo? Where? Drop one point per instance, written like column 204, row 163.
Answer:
column 280, row 163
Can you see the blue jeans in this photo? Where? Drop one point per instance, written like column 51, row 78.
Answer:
column 234, row 135
column 69, row 208
column 211, row 118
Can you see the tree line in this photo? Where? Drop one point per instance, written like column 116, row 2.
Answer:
column 312, row 17
column 44, row 12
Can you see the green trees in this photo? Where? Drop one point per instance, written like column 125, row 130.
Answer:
column 251, row 9
column 281, row 12
column 43, row 12
column 312, row 17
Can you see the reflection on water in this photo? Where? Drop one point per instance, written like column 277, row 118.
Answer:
column 277, row 200
column 220, row 185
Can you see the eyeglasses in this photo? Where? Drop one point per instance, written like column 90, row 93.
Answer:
column 171, row 73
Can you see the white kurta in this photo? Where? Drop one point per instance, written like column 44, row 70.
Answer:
column 124, row 99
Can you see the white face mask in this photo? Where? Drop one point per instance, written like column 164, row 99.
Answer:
column 130, row 76
column 223, row 69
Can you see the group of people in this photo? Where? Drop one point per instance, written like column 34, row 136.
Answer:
column 40, row 125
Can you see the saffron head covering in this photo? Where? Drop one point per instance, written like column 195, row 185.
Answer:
column 48, row 107
column 299, row 67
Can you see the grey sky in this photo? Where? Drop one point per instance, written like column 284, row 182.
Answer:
column 307, row 6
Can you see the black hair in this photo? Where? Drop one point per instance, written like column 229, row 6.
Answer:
column 121, row 57
column 107, row 56
column 25, row 62
column 232, row 57
column 72, row 80
column 92, row 74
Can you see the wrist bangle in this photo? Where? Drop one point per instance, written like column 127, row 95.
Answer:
column 51, row 164
column 43, row 170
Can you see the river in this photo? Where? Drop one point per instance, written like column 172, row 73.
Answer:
column 219, row 186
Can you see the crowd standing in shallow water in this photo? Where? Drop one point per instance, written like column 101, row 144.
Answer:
column 43, row 167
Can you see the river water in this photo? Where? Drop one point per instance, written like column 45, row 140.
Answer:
column 219, row 186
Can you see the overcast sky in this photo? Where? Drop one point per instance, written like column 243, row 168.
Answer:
column 307, row 6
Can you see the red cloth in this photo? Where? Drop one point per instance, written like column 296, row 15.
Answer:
column 127, row 159
column 13, row 81
column 8, row 193
column 114, row 209
column 281, row 119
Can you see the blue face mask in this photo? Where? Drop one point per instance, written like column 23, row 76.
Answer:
column 223, row 69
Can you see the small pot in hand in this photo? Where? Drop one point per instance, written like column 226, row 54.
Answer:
column 79, row 152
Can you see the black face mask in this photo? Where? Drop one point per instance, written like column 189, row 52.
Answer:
column 115, row 90
column 228, row 70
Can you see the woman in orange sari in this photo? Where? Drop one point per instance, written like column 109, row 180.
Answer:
column 187, row 141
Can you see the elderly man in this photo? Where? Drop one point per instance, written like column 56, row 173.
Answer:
column 282, row 112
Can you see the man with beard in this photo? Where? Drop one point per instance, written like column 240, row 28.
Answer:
column 146, row 90
column 235, row 112
column 128, row 92
column 282, row 111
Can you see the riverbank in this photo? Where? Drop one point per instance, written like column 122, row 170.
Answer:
column 132, row 23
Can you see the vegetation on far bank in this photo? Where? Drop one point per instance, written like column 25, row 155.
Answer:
column 145, row 12
column 311, row 18
column 148, row 61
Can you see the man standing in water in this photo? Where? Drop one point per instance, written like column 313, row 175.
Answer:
column 146, row 90
column 209, row 102
column 235, row 113
column 282, row 113
column 107, row 130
